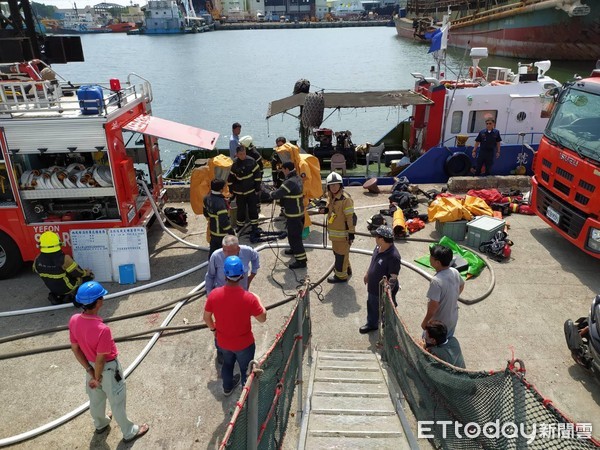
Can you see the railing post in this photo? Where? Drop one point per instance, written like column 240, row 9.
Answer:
column 300, row 352
column 252, row 402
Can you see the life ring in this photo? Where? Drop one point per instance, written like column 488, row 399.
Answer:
column 500, row 83
column 477, row 73
column 458, row 165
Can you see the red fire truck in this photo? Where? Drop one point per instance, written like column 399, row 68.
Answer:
column 75, row 157
column 566, row 181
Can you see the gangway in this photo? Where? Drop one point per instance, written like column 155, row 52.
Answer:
column 349, row 405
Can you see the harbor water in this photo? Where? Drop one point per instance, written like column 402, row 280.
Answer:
column 211, row 80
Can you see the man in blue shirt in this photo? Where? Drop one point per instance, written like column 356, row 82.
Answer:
column 487, row 140
column 215, row 275
column 234, row 140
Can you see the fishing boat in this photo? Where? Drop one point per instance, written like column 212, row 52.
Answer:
column 558, row 29
column 170, row 17
column 445, row 114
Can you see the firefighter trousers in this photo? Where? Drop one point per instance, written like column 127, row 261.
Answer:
column 341, row 252
column 216, row 242
column 295, row 225
column 247, row 204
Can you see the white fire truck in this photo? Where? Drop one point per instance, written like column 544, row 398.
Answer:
column 74, row 157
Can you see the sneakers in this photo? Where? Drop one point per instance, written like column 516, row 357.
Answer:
column 297, row 265
column 236, row 381
column 288, row 251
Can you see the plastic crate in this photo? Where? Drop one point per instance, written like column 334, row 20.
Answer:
column 482, row 229
column 454, row 230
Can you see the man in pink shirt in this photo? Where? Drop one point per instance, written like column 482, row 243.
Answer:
column 232, row 308
column 95, row 349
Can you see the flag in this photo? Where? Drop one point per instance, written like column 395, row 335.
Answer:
column 439, row 39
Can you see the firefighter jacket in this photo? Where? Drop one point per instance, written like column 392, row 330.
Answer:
column 59, row 272
column 216, row 212
column 340, row 217
column 244, row 176
column 253, row 153
column 291, row 196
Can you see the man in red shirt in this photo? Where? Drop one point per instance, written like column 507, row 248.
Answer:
column 232, row 307
column 95, row 349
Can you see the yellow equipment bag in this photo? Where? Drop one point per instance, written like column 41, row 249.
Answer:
column 447, row 209
column 399, row 223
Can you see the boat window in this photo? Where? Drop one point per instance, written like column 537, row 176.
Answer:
column 477, row 119
column 455, row 126
column 521, row 116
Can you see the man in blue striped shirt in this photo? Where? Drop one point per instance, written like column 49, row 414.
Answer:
column 215, row 275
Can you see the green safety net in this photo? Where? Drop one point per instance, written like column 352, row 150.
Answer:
column 276, row 383
column 485, row 400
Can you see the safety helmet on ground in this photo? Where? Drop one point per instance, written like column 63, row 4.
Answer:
column 89, row 292
column 234, row 268
column 49, row 242
column 246, row 141
column 334, row 178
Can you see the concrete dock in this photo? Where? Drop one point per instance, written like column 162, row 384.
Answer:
column 177, row 390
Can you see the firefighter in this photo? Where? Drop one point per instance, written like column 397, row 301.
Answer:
column 58, row 271
column 291, row 195
column 216, row 212
column 340, row 226
column 244, row 183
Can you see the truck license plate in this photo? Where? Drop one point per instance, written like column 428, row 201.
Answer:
column 553, row 215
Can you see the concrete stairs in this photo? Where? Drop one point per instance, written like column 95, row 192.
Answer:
column 348, row 404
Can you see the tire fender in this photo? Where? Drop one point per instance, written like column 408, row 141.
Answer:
column 458, row 165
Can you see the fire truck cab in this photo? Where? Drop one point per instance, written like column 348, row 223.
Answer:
column 566, row 181
column 76, row 157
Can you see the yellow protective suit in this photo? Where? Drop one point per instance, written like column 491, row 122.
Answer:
column 308, row 169
column 217, row 167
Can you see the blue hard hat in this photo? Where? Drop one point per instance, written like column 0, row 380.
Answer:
column 234, row 268
column 89, row 292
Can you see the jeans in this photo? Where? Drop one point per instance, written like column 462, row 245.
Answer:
column 243, row 357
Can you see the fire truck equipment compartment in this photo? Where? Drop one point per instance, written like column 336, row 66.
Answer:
column 90, row 100
column 173, row 131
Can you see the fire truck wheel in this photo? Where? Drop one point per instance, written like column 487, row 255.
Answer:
column 10, row 257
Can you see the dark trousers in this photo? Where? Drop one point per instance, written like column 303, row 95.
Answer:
column 243, row 358
column 373, row 307
column 295, row 225
column 216, row 242
column 247, row 204
column 484, row 157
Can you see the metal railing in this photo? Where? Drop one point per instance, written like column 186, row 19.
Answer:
column 53, row 96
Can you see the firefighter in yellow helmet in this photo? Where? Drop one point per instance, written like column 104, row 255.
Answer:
column 61, row 274
column 340, row 226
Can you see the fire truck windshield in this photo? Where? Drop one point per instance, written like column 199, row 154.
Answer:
column 574, row 123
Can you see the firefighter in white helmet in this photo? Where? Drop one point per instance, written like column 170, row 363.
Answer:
column 341, row 221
